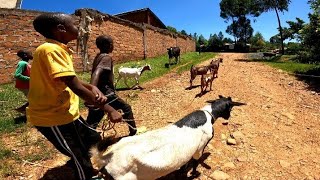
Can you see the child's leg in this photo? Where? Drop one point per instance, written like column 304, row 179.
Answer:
column 67, row 140
column 94, row 117
column 128, row 114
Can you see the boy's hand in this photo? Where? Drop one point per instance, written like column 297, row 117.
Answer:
column 100, row 97
column 115, row 116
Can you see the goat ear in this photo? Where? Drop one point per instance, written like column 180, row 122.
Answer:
column 210, row 101
column 220, row 96
column 237, row 103
column 229, row 98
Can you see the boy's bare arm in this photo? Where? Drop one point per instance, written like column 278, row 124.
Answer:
column 79, row 88
column 100, row 97
column 95, row 76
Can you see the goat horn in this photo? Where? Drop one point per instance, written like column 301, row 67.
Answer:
column 238, row 103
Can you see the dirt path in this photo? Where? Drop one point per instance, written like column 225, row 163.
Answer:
column 277, row 132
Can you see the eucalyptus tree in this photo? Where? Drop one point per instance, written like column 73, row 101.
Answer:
column 238, row 12
column 277, row 6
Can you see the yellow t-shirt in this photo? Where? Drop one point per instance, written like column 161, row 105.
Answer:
column 51, row 102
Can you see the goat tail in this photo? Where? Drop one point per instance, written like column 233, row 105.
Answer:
column 97, row 157
column 97, row 152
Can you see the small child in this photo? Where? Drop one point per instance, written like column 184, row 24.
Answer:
column 102, row 77
column 54, row 94
column 22, row 76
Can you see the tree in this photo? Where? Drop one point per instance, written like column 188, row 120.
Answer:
column 242, row 31
column 201, row 41
column 257, row 41
column 310, row 34
column 276, row 5
column 238, row 12
column 275, row 40
column 172, row 29
column 183, row 32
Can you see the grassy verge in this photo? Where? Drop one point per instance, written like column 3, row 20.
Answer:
column 308, row 73
column 287, row 63
column 10, row 98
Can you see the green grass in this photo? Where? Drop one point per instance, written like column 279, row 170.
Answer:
column 293, row 67
column 10, row 98
column 287, row 63
column 158, row 66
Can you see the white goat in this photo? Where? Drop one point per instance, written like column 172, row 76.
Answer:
column 126, row 72
column 159, row 152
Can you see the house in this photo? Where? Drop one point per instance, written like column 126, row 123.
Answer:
column 144, row 15
column 229, row 46
column 10, row 4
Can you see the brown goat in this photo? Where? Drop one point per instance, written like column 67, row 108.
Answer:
column 201, row 70
column 215, row 66
column 206, row 80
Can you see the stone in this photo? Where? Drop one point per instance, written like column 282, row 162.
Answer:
column 231, row 141
column 223, row 137
column 228, row 165
column 210, row 146
column 284, row 164
column 238, row 135
column 288, row 115
column 219, row 175
column 241, row 159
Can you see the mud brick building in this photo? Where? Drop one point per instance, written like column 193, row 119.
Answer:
column 132, row 40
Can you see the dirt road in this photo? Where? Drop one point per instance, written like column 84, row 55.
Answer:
column 277, row 132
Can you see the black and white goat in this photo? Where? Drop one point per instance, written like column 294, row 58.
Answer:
column 159, row 152
column 127, row 72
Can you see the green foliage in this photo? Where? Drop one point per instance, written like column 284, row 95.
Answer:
column 293, row 48
column 216, row 42
column 275, row 5
column 271, row 5
column 310, row 35
column 238, row 11
column 287, row 63
column 172, row 29
column 257, row 42
column 184, row 32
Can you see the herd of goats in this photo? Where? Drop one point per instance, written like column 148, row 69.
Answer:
column 208, row 72
column 169, row 151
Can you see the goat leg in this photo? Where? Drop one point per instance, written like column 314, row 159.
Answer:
column 194, row 164
column 125, row 82
column 115, row 85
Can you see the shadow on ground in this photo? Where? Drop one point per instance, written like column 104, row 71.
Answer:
column 59, row 173
column 167, row 65
column 184, row 174
column 20, row 119
column 311, row 77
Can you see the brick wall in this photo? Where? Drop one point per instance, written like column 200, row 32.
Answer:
column 131, row 41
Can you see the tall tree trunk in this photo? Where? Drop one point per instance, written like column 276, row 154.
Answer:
column 280, row 29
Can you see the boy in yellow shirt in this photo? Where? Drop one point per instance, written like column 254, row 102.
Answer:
column 54, row 94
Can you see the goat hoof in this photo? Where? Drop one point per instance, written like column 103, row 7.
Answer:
column 195, row 174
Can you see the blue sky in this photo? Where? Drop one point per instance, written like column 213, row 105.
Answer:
column 193, row 16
